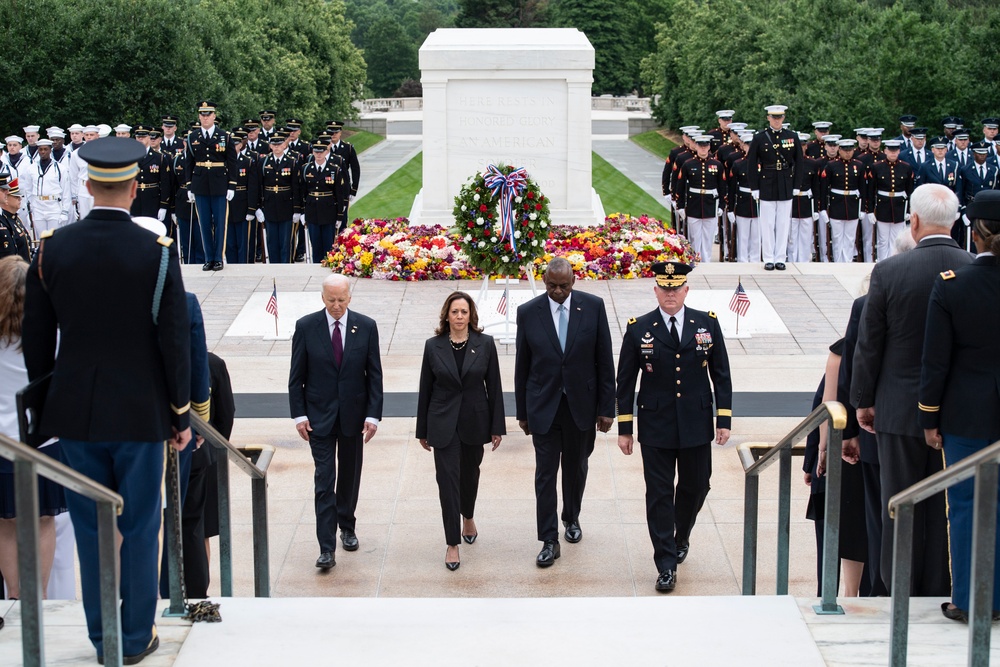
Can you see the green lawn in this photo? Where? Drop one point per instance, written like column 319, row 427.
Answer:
column 654, row 142
column 362, row 140
column 393, row 198
column 621, row 195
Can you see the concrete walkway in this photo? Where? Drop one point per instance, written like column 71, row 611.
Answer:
column 382, row 159
column 638, row 164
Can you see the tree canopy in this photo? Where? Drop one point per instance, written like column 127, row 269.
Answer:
column 131, row 61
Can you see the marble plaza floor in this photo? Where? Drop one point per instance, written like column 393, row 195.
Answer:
column 794, row 316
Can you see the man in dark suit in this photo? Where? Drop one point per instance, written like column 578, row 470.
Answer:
column 120, row 385
column 887, row 374
column 564, row 384
column 352, row 170
column 676, row 349
column 335, row 394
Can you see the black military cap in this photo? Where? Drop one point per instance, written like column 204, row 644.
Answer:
column 251, row 124
column 112, row 159
column 324, row 136
column 335, row 125
column 918, row 132
column 986, row 206
column 293, row 123
column 155, row 134
column 195, row 125
column 277, row 138
column 239, row 133
column 909, row 120
column 206, row 107
column 169, row 120
column 991, row 122
column 939, row 142
column 320, row 145
column 4, row 179
column 961, row 134
column 142, row 130
column 267, row 114
column 671, row 275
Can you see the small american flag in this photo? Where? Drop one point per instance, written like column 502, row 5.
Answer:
column 272, row 303
column 502, row 305
column 740, row 302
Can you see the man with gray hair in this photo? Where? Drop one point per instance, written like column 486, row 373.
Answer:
column 335, row 395
column 886, row 377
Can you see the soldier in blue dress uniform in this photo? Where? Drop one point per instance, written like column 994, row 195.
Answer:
column 243, row 207
column 280, row 203
column 210, row 149
column 120, row 386
column 321, row 187
column 676, row 350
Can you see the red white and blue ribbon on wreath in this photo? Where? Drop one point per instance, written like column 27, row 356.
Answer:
column 506, row 187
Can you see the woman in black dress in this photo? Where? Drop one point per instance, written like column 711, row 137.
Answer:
column 459, row 409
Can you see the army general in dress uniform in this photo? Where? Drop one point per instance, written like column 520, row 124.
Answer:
column 676, row 350
column 120, row 385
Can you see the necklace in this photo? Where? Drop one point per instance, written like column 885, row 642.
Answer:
column 458, row 346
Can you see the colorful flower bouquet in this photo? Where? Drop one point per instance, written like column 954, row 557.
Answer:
column 624, row 247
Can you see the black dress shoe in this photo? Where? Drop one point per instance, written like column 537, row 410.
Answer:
column 548, row 554
column 469, row 539
column 207, row 266
column 769, row 267
column 154, row 644
column 326, row 560
column 573, row 532
column 955, row 614
column 216, row 266
column 667, row 581
column 300, row 258
column 779, row 266
column 682, row 552
column 349, row 539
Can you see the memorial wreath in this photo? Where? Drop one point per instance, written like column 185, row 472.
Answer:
column 501, row 221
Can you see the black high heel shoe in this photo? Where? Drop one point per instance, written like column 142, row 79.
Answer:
column 451, row 565
column 469, row 539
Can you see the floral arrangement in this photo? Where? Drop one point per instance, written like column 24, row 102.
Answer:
column 624, row 247
column 501, row 221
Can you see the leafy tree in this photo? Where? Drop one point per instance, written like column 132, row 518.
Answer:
column 390, row 59
column 502, row 14
column 608, row 25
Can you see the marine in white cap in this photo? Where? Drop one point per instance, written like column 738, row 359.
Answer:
column 774, row 156
column 815, row 148
column 803, row 237
column 843, row 204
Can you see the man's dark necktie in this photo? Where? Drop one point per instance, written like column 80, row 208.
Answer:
column 941, row 169
column 338, row 344
column 673, row 331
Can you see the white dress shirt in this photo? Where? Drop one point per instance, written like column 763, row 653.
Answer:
column 680, row 321
column 554, row 307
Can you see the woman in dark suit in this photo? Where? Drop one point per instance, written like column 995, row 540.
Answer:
column 959, row 400
column 459, row 409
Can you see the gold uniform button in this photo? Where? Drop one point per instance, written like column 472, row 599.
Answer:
column 678, row 395
column 678, row 369
column 678, row 382
column 678, row 356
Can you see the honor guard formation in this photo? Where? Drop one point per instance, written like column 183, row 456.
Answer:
column 776, row 196
column 244, row 195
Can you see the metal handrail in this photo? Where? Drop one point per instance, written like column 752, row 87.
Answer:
column 28, row 464
column 254, row 461
column 754, row 463
column 983, row 466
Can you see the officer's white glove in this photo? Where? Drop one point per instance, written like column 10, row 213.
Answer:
column 296, row 217
column 965, row 219
column 755, row 194
column 681, row 214
column 230, row 194
column 173, row 217
column 303, row 218
column 352, row 197
column 260, row 215
column 731, row 216
column 249, row 217
column 815, row 216
column 824, row 217
column 161, row 214
column 906, row 217
column 190, row 197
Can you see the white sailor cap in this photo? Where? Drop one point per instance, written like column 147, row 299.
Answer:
column 150, row 224
column 31, row 128
column 75, row 127
column 803, row 136
column 55, row 132
column 104, row 129
column 775, row 110
column 822, row 125
column 847, row 143
column 737, row 127
column 15, row 138
column 91, row 128
column 44, row 142
column 725, row 113
column 122, row 127
column 831, row 138
column 892, row 144
column 746, row 137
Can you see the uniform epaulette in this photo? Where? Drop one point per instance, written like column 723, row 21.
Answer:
column 711, row 313
column 47, row 233
column 631, row 320
column 165, row 241
column 948, row 275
